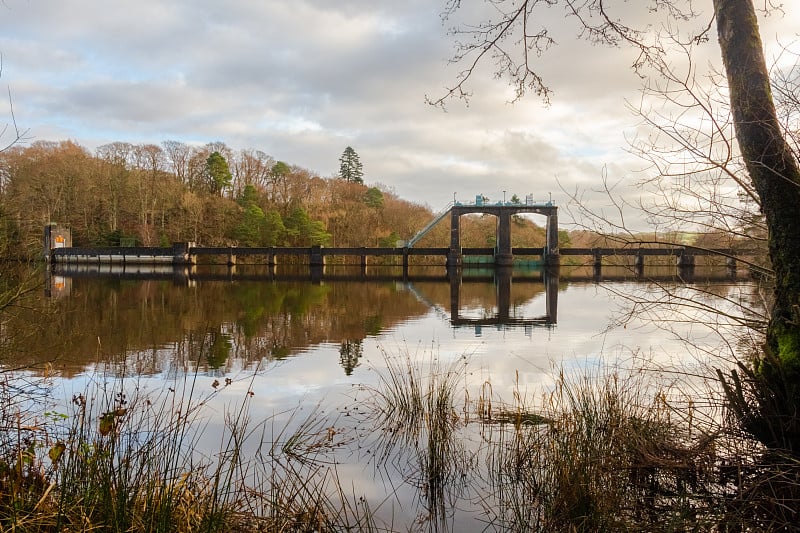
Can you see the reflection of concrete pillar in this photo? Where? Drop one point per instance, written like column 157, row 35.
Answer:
column 551, row 276
column 502, row 277
column 181, row 276
column 454, row 258
column 730, row 262
column 552, row 254
column 317, row 271
column 454, row 276
column 686, row 264
column 56, row 286
column 503, row 256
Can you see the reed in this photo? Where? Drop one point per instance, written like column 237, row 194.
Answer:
column 415, row 417
column 127, row 460
column 602, row 450
column 604, row 453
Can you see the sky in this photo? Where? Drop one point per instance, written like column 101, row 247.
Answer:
column 303, row 79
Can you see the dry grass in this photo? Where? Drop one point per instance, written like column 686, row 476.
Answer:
column 601, row 451
column 128, row 462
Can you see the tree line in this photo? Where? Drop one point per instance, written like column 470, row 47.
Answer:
column 154, row 195
column 213, row 195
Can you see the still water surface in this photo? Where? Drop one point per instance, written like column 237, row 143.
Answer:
column 283, row 344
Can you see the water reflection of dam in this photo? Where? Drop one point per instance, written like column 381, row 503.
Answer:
column 59, row 283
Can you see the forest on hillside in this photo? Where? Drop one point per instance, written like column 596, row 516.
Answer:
column 213, row 195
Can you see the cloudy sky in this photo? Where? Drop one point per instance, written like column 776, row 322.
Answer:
column 303, row 79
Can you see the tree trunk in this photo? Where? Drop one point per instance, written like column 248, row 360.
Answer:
column 776, row 177
column 770, row 163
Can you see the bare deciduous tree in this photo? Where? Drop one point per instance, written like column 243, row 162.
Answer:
column 761, row 162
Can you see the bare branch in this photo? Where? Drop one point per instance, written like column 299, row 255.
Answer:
column 511, row 41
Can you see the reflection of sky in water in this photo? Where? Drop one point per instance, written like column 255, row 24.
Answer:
column 313, row 384
column 502, row 355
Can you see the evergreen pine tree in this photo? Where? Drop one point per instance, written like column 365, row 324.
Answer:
column 350, row 168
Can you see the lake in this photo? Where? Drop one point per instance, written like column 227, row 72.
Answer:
column 314, row 353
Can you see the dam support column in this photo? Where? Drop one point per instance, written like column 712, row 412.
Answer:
column 181, row 254
column 638, row 264
column 552, row 258
column 686, row 262
column 454, row 258
column 55, row 236
column 503, row 256
column 316, row 258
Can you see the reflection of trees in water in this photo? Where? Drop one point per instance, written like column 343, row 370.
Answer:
column 210, row 324
column 218, row 350
column 350, row 352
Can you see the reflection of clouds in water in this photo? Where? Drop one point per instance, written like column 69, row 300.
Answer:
column 312, row 388
column 507, row 357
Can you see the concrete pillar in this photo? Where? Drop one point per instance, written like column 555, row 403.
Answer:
column 503, row 256
column 454, row 258
column 316, row 258
column 552, row 254
column 638, row 264
column 455, row 230
column 56, row 236
column 181, row 254
column 686, row 261
column 231, row 257
column 405, row 263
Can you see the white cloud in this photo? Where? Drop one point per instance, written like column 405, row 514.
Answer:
column 302, row 79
